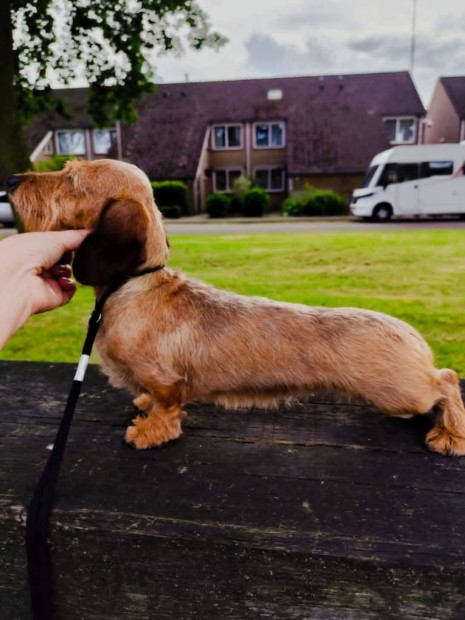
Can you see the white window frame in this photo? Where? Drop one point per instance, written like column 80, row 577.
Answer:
column 269, row 123
column 404, row 118
column 57, row 141
column 110, row 129
column 269, row 169
column 228, row 189
column 48, row 147
column 227, row 147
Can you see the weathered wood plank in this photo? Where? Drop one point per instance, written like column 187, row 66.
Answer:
column 322, row 510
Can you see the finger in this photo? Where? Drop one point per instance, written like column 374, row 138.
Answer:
column 71, row 239
column 55, row 293
column 61, row 271
column 67, row 293
column 52, row 246
column 67, row 285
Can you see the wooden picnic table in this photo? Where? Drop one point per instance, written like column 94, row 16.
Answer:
column 322, row 510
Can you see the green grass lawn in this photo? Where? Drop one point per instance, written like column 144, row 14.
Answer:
column 417, row 276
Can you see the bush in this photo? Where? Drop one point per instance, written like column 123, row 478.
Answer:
column 57, row 162
column 173, row 212
column 315, row 202
column 292, row 207
column 256, row 202
column 239, row 189
column 235, row 206
column 217, row 205
column 172, row 194
column 326, row 202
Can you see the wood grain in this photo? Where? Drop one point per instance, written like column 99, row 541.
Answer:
column 322, row 510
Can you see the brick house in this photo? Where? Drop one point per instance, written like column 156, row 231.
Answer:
column 445, row 120
column 284, row 132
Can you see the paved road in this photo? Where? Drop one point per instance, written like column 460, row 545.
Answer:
column 230, row 227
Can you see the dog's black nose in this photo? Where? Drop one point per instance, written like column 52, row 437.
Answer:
column 13, row 182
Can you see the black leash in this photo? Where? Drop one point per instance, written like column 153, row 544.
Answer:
column 37, row 547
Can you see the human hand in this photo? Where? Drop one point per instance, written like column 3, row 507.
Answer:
column 34, row 276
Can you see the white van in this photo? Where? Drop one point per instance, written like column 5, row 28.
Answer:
column 427, row 179
column 6, row 212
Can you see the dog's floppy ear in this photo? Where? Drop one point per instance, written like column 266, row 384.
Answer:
column 117, row 245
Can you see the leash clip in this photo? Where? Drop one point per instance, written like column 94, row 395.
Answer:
column 95, row 317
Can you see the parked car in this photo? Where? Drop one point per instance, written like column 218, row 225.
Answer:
column 6, row 212
column 413, row 180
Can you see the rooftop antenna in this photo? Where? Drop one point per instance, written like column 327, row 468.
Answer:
column 412, row 46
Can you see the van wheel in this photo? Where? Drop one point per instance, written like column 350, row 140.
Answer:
column 382, row 213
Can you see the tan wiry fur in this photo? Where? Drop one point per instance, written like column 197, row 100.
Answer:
column 170, row 340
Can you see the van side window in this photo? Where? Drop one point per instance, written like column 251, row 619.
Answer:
column 407, row 172
column 398, row 173
column 436, row 168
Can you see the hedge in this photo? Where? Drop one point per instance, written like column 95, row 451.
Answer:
column 315, row 202
column 171, row 194
column 217, row 205
column 173, row 212
column 256, row 202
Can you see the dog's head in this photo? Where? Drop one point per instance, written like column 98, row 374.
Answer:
column 109, row 197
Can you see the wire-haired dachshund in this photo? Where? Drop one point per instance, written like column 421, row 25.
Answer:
column 170, row 340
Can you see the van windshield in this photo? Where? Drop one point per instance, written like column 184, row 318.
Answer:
column 369, row 176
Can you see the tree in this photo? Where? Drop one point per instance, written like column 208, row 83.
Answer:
column 108, row 42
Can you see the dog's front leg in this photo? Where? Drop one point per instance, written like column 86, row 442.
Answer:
column 162, row 419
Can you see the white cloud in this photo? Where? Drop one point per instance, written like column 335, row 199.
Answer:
column 273, row 58
column 298, row 37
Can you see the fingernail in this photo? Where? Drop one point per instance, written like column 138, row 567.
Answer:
column 66, row 284
column 62, row 270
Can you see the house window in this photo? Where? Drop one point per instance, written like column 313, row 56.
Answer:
column 401, row 130
column 104, row 140
column 269, row 135
column 223, row 180
column 71, row 142
column 227, row 137
column 271, row 179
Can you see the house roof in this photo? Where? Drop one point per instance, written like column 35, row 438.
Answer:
column 455, row 88
column 326, row 119
column 333, row 123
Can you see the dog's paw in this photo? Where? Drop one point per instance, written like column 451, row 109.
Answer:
column 442, row 441
column 151, row 432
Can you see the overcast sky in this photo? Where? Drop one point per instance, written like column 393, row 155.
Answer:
column 313, row 37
